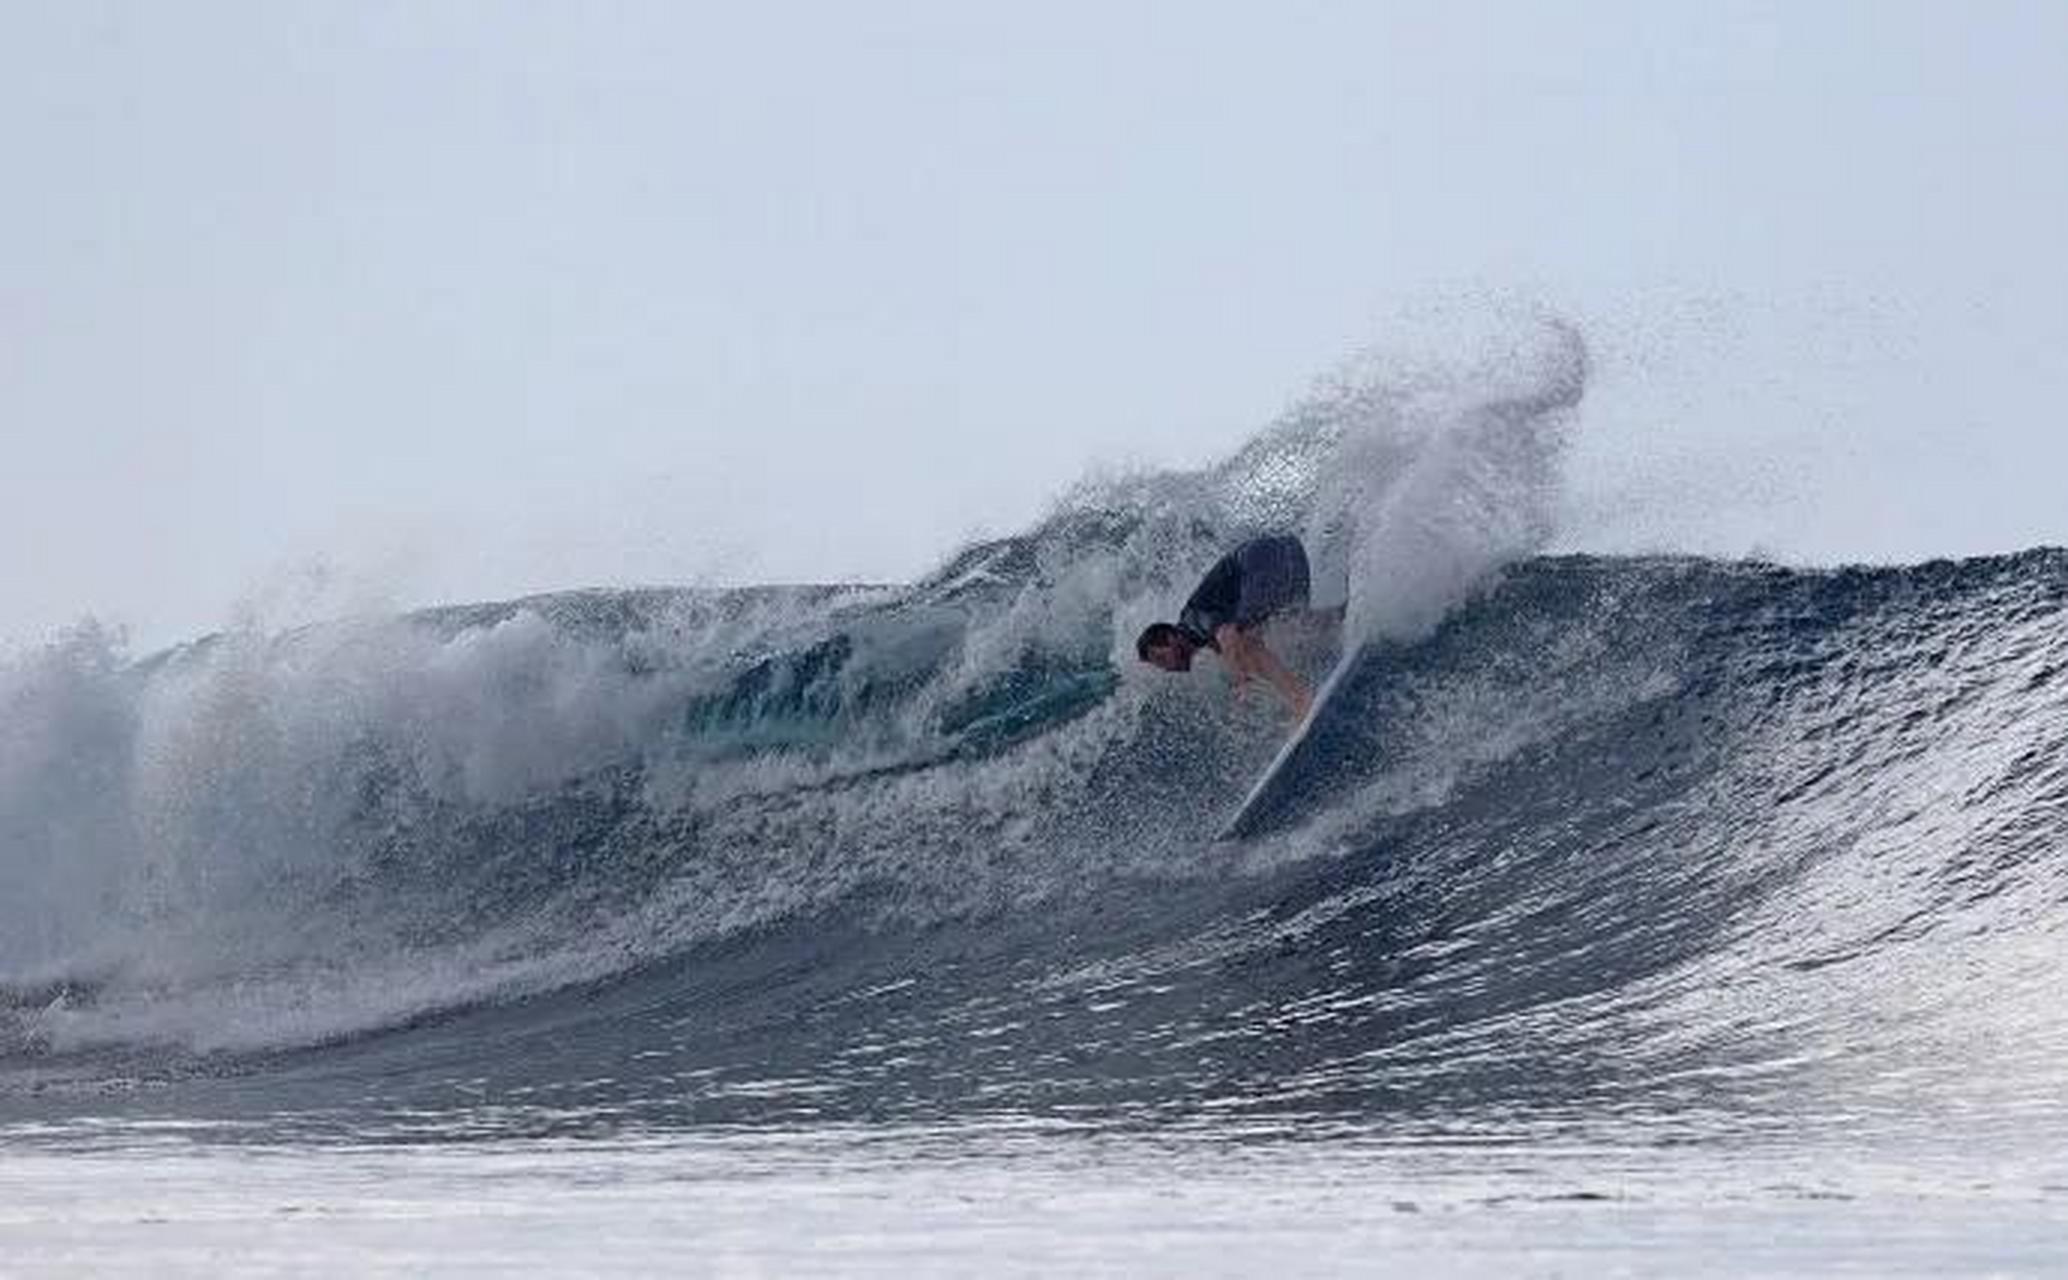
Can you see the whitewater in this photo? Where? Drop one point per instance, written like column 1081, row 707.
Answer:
column 1652, row 913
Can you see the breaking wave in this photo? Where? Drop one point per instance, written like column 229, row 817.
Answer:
column 1593, row 836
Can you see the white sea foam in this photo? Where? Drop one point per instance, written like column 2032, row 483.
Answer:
column 1442, row 477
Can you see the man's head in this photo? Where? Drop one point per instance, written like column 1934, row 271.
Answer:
column 1163, row 645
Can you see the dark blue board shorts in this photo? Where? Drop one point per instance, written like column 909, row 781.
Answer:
column 1262, row 577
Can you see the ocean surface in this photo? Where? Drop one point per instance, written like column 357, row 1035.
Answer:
column 1627, row 914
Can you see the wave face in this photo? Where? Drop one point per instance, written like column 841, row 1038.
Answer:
column 1589, row 841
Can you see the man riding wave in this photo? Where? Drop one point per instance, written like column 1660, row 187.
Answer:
column 1256, row 581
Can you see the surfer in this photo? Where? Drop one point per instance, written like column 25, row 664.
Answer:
column 1261, row 578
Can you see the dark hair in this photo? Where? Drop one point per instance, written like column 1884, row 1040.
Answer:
column 1155, row 636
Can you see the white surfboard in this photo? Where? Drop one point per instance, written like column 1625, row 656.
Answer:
column 1267, row 784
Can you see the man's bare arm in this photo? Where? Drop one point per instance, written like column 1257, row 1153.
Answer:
column 1248, row 656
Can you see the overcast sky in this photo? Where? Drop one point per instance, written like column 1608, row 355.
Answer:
column 307, row 305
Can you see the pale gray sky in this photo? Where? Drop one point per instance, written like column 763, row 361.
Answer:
column 466, row 299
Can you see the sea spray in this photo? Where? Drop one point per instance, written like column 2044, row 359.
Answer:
column 261, row 839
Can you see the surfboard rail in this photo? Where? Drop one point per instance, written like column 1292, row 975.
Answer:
column 1266, row 794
